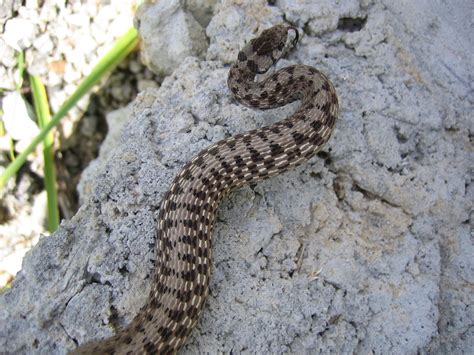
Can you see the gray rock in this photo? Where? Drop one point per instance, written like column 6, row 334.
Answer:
column 318, row 17
column 202, row 10
column 116, row 121
column 7, row 8
column 169, row 33
column 365, row 248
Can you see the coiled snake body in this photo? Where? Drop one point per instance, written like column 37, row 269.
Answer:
column 188, row 209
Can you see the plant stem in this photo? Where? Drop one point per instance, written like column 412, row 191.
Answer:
column 43, row 115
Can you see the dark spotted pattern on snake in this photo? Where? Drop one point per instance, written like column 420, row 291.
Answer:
column 188, row 210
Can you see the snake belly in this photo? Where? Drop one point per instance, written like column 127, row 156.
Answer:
column 188, row 209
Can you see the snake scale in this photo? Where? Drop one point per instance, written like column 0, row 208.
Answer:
column 188, row 209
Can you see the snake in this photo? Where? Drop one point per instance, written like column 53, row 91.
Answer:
column 188, row 209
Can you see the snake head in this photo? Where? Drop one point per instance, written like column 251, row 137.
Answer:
column 265, row 50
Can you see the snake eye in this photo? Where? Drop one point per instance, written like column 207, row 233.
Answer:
column 295, row 40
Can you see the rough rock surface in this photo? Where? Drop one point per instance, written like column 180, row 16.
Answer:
column 169, row 34
column 364, row 249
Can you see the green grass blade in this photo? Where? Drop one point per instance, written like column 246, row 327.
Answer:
column 40, row 102
column 21, row 70
column 123, row 46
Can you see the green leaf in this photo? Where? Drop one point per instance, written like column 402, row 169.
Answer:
column 40, row 101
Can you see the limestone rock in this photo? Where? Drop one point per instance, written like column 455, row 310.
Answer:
column 169, row 33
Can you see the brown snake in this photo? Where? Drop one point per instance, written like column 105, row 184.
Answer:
column 188, row 209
